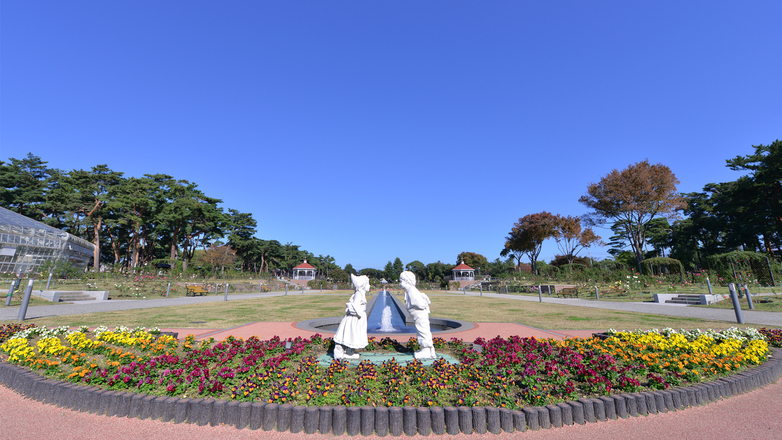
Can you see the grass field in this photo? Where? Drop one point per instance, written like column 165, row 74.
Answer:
column 315, row 305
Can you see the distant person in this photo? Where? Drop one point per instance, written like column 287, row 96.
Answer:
column 352, row 332
column 418, row 305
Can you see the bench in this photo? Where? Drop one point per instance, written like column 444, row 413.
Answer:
column 196, row 290
column 568, row 292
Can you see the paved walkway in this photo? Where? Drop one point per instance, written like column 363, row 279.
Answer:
column 285, row 330
column 727, row 315
column 754, row 415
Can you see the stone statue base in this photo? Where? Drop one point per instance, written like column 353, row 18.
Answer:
column 426, row 353
column 342, row 352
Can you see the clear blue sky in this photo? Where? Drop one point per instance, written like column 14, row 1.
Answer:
column 376, row 130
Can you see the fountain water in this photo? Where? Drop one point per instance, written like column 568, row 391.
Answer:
column 385, row 321
column 386, row 318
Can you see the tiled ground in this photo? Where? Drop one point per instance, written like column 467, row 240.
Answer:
column 285, row 330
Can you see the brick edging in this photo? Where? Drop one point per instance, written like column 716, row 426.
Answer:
column 381, row 421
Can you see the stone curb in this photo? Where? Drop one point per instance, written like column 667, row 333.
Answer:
column 380, row 421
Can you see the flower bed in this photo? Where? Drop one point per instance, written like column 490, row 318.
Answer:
column 511, row 373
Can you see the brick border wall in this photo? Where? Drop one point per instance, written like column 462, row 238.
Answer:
column 369, row 420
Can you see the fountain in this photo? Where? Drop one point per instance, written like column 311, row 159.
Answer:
column 389, row 321
column 386, row 316
column 385, row 321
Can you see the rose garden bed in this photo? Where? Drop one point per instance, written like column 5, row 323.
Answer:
column 499, row 384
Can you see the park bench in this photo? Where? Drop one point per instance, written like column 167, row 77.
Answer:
column 195, row 290
column 568, row 292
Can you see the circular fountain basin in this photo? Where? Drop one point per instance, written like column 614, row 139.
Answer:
column 437, row 326
column 387, row 315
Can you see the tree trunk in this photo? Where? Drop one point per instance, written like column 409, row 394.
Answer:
column 135, row 246
column 114, row 245
column 96, row 242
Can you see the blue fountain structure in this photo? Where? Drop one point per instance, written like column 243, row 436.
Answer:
column 386, row 315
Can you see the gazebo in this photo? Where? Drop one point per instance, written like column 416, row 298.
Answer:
column 463, row 272
column 304, row 271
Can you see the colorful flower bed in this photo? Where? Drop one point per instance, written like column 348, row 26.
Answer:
column 513, row 372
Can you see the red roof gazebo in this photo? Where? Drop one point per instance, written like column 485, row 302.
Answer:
column 463, row 272
column 304, row 271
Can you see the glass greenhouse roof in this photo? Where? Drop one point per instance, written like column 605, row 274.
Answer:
column 13, row 223
column 26, row 244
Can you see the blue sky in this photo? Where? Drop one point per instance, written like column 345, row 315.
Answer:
column 376, row 130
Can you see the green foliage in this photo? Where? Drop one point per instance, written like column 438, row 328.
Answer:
column 500, row 268
column 373, row 274
column 397, row 268
column 61, row 269
column 626, row 259
column 339, row 276
column 23, row 185
column 661, row 265
column 634, row 196
column 742, row 267
column 417, row 267
column 527, row 237
column 436, row 272
column 473, row 260
column 562, row 260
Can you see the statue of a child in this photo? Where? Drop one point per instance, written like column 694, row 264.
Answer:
column 418, row 305
column 352, row 332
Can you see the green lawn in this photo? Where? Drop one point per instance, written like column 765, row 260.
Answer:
column 302, row 307
column 767, row 303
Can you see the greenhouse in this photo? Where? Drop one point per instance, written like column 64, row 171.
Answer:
column 25, row 244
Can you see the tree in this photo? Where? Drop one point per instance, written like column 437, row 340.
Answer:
column 92, row 188
column 636, row 194
column 499, row 268
column 340, row 276
column 131, row 203
column 191, row 217
column 572, row 238
column 476, row 261
column 528, row 235
column 562, row 260
column 765, row 186
column 265, row 252
column 392, row 270
column 23, row 185
column 219, row 256
column 659, row 235
column 388, row 272
column 398, row 269
column 417, row 267
column 241, row 228
column 349, row 269
column 436, row 272
column 324, row 265
column 374, row 274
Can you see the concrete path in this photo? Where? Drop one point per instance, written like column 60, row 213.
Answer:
column 754, row 415
column 289, row 330
column 683, row 311
column 727, row 315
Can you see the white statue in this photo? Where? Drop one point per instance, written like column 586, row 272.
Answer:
column 418, row 305
column 352, row 332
